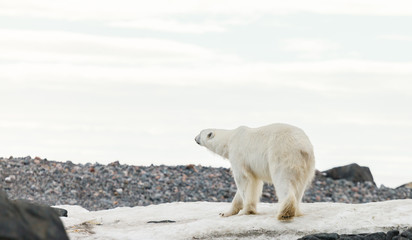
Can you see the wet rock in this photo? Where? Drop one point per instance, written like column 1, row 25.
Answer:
column 407, row 234
column 321, row 236
column 391, row 234
column 309, row 237
column 60, row 211
column 376, row 236
column 352, row 237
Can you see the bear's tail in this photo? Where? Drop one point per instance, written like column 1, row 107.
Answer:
column 288, row 208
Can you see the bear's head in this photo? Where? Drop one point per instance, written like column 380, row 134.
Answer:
column 216, row 140
column 205, row 137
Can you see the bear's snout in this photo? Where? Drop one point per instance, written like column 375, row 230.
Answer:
column 197, row 139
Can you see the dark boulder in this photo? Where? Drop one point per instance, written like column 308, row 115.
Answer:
column 23, row 220
column 321, row 236
column 376, row 236
column 352, row 172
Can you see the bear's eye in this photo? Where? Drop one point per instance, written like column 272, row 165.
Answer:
column 210, row 135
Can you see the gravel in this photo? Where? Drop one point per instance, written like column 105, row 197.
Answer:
column 96, row 186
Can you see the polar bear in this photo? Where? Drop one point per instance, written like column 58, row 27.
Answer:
column 278, row 153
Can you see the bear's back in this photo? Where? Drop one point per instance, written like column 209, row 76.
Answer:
column 277, row 135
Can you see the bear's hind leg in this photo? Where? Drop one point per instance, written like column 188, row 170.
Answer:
column 288, row 208
column 300, row 190
column 285, row 191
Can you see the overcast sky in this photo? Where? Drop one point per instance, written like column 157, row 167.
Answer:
column 135, row 81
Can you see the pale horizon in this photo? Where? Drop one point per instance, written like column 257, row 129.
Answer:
column 98, row 81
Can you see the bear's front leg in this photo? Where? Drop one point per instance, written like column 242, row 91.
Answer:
column 252, row 195
column 237, row 205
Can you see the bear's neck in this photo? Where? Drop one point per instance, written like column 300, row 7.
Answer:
column 221, row 147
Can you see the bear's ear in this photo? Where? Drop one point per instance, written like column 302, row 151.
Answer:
column 210, row 135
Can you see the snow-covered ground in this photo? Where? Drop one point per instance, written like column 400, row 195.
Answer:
column 201, row 220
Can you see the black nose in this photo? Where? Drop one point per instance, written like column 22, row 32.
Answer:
column 197, row 140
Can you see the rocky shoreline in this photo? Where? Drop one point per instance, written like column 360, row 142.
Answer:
column 96, row 186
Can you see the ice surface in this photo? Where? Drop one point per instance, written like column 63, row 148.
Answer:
column 201, row 220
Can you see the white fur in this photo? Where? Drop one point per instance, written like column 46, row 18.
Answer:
column 278, row 153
